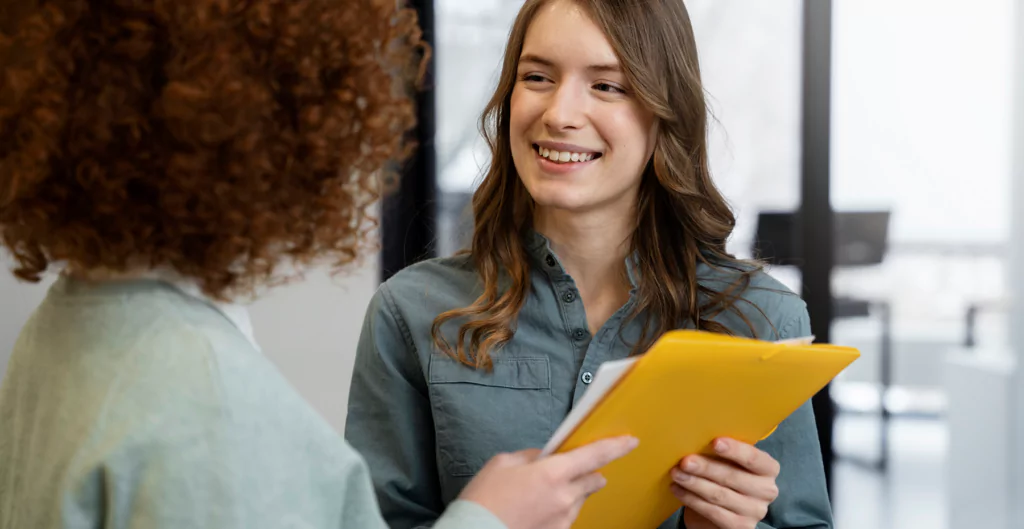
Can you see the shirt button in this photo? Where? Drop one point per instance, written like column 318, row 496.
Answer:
column 550, row 260
column 579, row 334
column 569, row 296
column 587, row 377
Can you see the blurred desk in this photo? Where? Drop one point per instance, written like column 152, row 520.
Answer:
column 845, row 307
column 980, row 385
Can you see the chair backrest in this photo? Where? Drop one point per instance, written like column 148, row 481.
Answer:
column 861, row 237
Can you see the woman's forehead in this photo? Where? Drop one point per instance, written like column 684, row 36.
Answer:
column 563, row 33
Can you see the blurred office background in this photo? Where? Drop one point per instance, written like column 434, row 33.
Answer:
column 897, row 122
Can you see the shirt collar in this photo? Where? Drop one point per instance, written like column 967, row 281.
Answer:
column 539, row 248
column 237, row 314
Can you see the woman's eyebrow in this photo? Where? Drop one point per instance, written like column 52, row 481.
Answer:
column 543, row 61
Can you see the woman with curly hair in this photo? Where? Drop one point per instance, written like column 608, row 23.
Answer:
column 168, row 157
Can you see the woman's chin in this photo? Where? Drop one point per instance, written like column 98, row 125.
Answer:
column 561, row 201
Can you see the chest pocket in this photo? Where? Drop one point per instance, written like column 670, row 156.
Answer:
column 478, row 414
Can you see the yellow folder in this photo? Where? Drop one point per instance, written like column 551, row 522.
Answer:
column 688, row 389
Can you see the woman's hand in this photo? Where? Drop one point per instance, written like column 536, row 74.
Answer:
column 732, row 492
column 530, row 493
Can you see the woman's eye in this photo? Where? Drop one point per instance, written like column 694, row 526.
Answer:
column 605, row 87
column 533, row 78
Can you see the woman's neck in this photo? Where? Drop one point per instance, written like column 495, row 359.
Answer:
column 593, row 249
column 106, row 275
column 97, row 275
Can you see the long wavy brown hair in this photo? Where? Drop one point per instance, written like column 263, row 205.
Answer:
column 222, row 139
column 682, row 219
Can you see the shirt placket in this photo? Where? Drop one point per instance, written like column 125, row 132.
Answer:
column 601, row 349
column 589, row 352
column 574, row 318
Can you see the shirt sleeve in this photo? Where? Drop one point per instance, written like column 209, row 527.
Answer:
column 389, row 419
column 463, row 514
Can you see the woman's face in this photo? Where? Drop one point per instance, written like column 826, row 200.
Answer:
column 580, row 139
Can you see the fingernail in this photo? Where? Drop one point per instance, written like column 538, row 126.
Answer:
column 680, row 477
column 721, row 446
column 633, row 442
column 690, row 466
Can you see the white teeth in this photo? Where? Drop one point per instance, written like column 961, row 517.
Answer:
column 564, row 157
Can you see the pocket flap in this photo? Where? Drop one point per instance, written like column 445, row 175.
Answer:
column 513, row 373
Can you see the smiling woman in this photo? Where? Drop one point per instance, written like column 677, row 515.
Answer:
column 598, row 227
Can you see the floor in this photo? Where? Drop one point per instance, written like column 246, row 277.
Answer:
column 910, row 495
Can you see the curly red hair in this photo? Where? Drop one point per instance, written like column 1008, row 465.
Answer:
column 218, row 138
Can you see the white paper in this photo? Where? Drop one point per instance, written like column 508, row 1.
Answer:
column 607, row 376
column 805, row 340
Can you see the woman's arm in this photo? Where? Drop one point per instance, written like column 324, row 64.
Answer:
column 389, row 419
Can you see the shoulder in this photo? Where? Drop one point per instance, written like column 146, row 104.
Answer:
column 401, row 313
column 762, row 303
column 441, row 273
column 187, row 370
column 193, row 388
column 431, row 287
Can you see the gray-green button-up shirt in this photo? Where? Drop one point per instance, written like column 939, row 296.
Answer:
column 426, row 424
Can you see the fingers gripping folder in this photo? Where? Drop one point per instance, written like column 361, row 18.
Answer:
column 688, row 389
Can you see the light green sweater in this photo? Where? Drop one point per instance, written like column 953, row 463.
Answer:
column 133, row 405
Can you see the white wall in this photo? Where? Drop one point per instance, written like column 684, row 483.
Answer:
column 17, row 301
column 1015, row 279
column 986, row 386
column 308, row 329
column 919, row 115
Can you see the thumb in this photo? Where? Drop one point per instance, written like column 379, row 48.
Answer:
column 529, row 455
column 521, row 457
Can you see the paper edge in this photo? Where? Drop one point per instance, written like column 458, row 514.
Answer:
column 591, row 399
